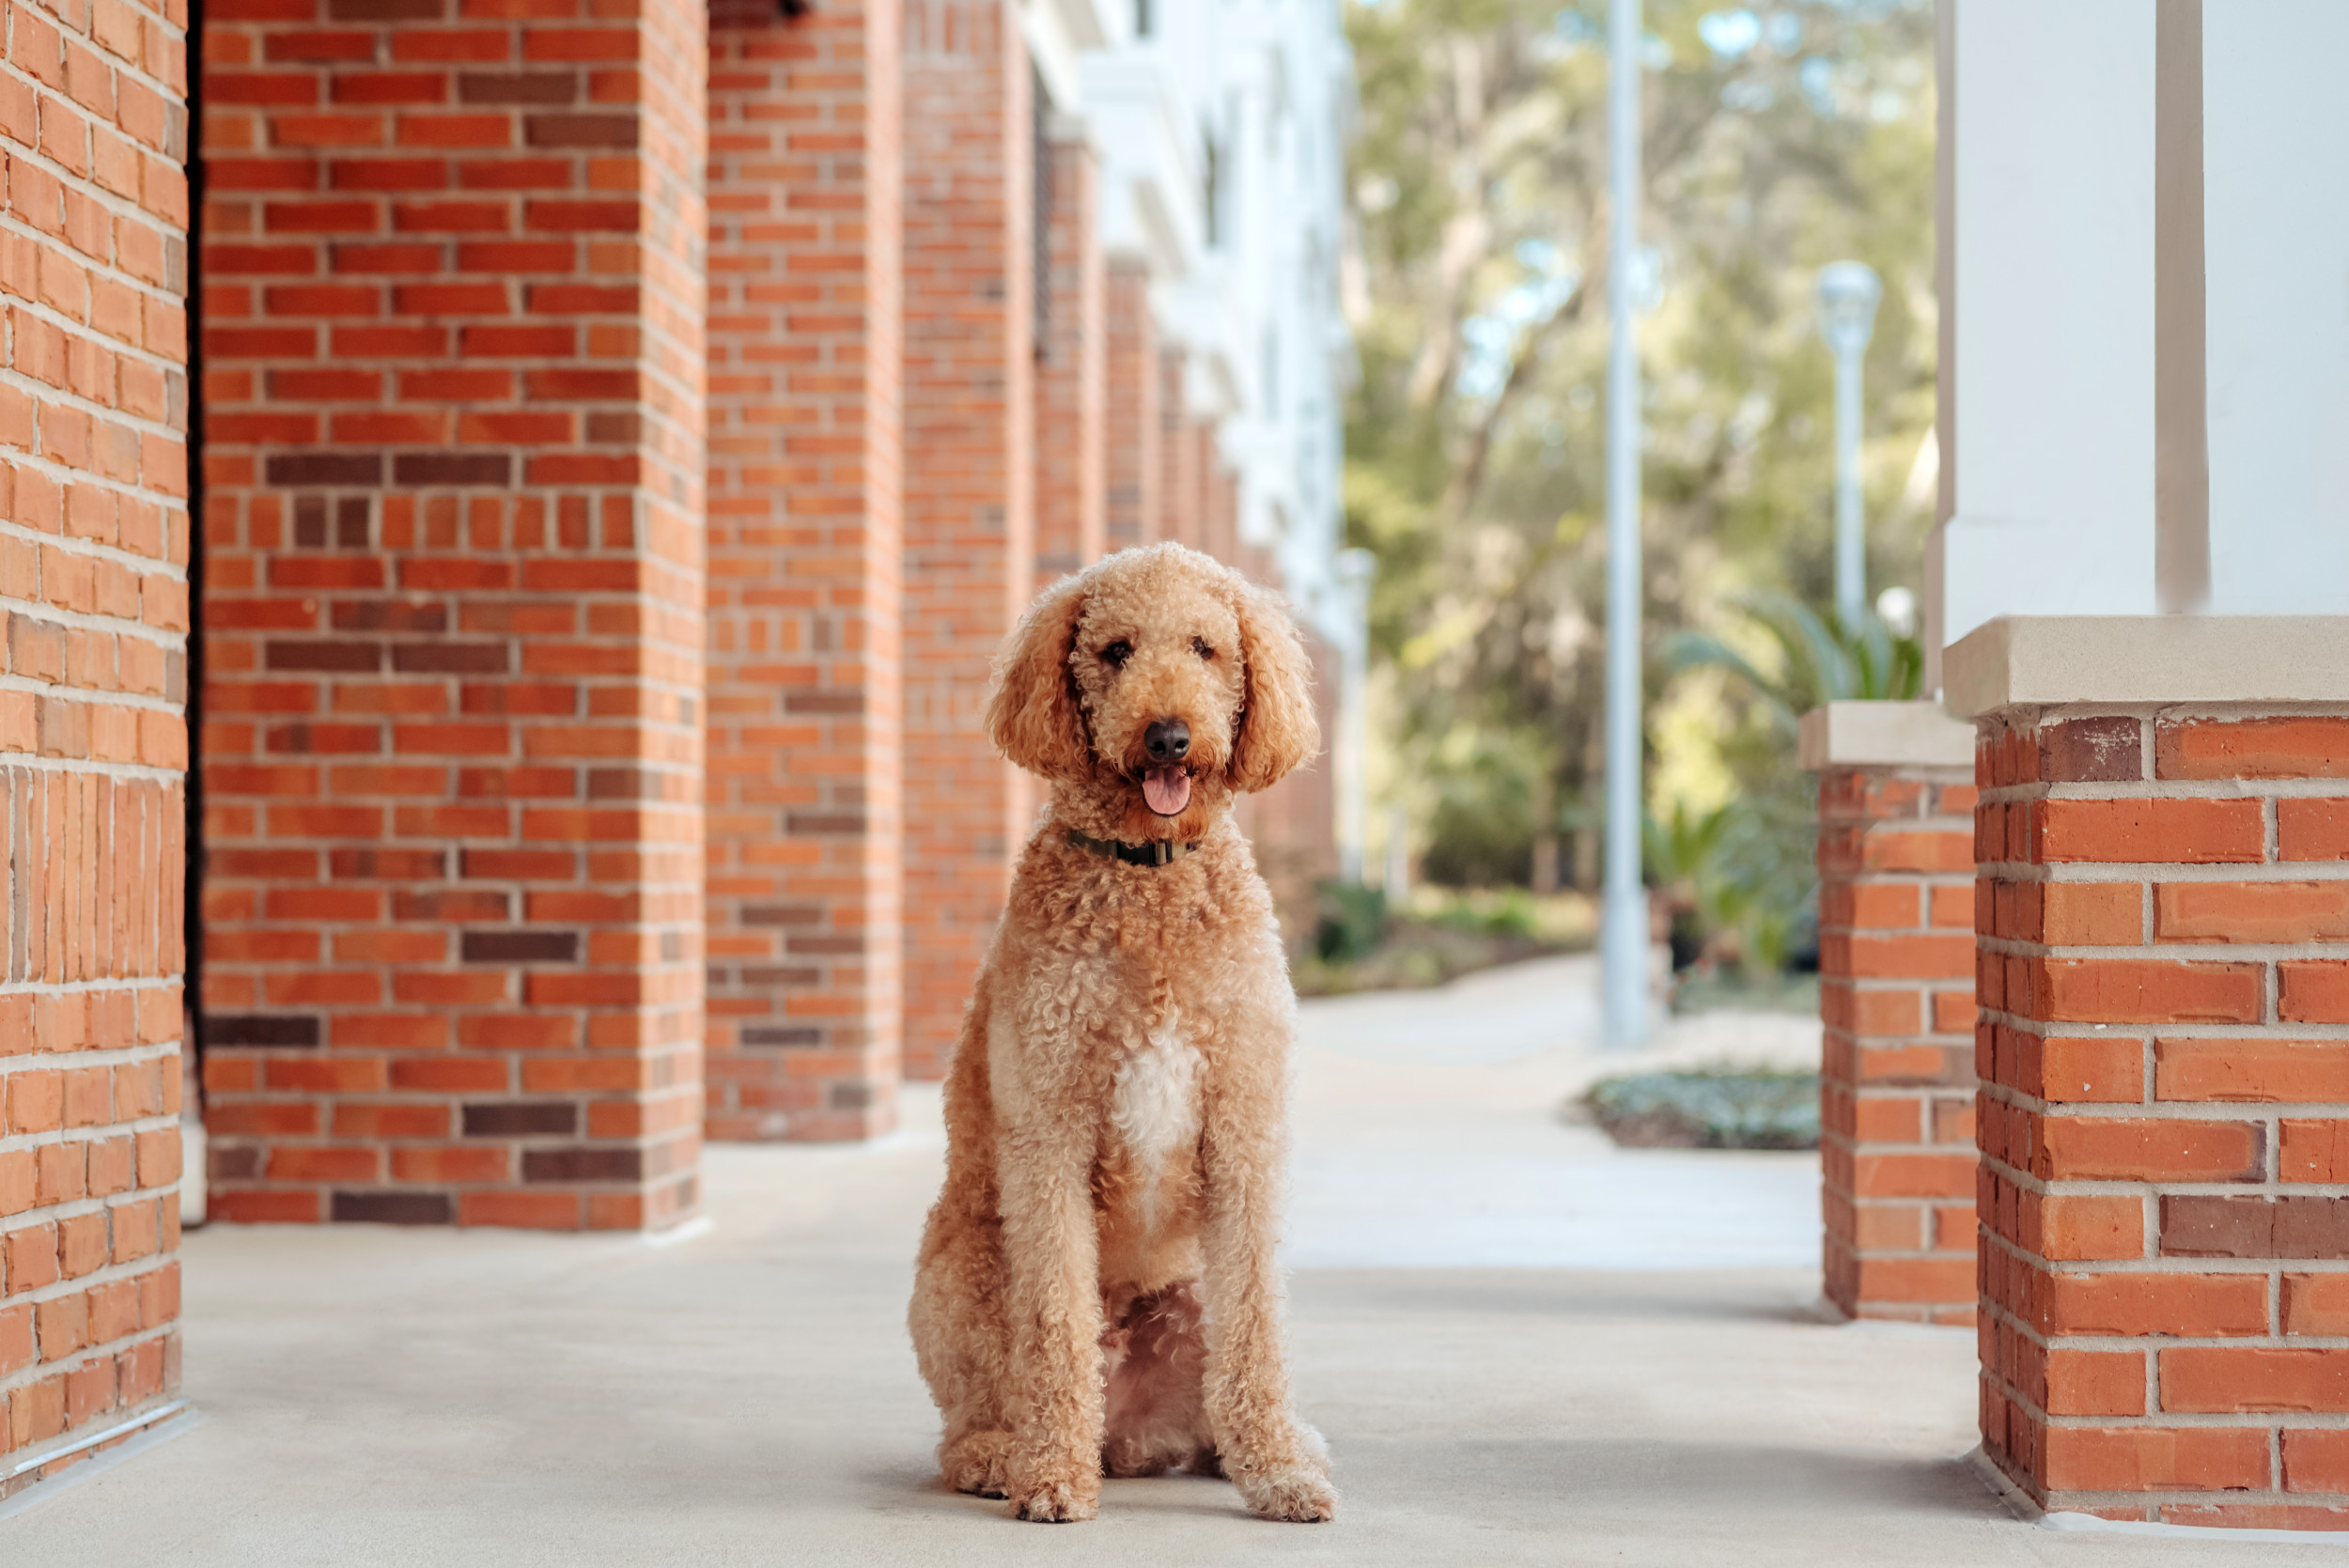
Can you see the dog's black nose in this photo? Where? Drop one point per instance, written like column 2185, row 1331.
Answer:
column 1166, row 740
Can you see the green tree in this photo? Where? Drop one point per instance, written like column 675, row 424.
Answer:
column 1776, row 139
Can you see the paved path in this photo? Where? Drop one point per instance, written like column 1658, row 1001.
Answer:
column 1500, row 1383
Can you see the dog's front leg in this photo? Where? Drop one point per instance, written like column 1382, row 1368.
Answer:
column 1052, row 1251
column 1277, row 1463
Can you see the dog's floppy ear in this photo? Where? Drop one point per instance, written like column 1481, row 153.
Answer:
column 1032, row 714
column 1277, row 731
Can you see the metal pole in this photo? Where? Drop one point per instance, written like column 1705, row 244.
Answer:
column 1848, row 292
column 1623, row 920
column 1355, row 570
column 1851, row 555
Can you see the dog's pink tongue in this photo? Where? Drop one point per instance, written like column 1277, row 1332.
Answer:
column 1167, row 789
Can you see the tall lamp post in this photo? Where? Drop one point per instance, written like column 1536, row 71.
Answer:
column 1355, row 570
column 1623, row 937
column 1848, row 292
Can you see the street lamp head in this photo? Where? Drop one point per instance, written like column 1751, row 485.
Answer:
column 1848, row 292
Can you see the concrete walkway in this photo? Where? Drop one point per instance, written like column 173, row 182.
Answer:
column 1524, row 1346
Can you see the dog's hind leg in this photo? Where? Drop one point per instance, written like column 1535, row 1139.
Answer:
column 960, row 1337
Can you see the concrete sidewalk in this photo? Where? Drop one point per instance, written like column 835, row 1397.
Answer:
column 1494, row 1390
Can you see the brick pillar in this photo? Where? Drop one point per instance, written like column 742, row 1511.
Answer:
column 804, row 495
column 969, row 514
column 1896, row 1003
column 2164, row 1047
column 1072, row 366
column 1131, row 374
column 1178, row 453
column 453, row 611
column 1219, row 524
column 93, row 542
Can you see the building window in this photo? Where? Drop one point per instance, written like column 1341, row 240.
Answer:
column 1141, row 19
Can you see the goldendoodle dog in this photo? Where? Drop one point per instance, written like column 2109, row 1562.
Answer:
column 1096, row 1290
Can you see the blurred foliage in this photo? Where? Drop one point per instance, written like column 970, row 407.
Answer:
column 1777, row 138
column 1351, row 918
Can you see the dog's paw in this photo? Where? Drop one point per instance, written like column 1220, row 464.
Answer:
column 980, row 1464
column 1056, row 1502
column 1299, row 1496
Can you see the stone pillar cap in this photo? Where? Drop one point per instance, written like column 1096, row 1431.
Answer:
column 1883, row 735
column 2044, row 660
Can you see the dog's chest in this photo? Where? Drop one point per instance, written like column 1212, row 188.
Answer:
column 1154, row 1103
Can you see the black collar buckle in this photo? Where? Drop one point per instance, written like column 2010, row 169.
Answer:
column 1156, row 852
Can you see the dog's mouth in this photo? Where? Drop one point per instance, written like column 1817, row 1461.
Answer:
column 1166, row 791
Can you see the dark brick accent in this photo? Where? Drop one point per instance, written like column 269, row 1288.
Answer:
column 768, row 974
column 796, row 1035
column 452, row 468
column 609, row 428
column 309, row 470
column 522, row 1118
column 233, row 1162
column 392, row 1208
column 812, row 824
column 623, row 783
column 584, row 1164
column 824, row 702
column 851, row 1096
column 391, row 614
column 520, row 947
column 836, row 947
column 599, row 131
column 399, row 866
column 780, row 914
column 2092, row 750
column 260, row 1028
column 2206, row 1227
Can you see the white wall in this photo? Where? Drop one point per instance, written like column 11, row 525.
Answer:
column 2276, row 260
column 2053, row 275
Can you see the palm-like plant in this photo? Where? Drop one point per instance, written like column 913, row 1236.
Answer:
column 1820, row 660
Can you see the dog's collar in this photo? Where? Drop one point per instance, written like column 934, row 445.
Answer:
column 1156, row 851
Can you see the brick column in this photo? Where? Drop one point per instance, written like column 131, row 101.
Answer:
column 453, row 614
column 970, row 513
column 804, row 539
column 94, row 541
column 1896, row 958
column 1072, row 367
column 1178, row 453
column 2164, row 1047
column 1131, row 373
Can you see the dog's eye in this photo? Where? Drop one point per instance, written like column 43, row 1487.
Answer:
column 1116, row 655
column 1198, row 646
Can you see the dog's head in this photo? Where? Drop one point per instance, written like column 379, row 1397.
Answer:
column 1159, row 683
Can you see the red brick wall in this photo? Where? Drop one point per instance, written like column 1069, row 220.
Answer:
column 1131, row 400
column 2164, row 1048
column 453, row 640
column 1896, row 1087
column 970, row 515
column 1071, row 390
column 804, row 541
column 1180, row 498
column 93, row 542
